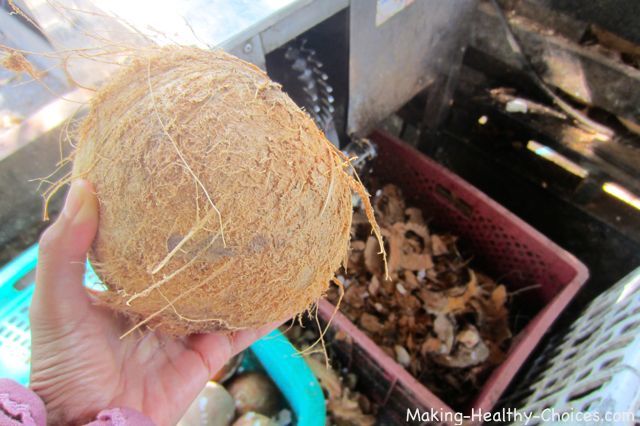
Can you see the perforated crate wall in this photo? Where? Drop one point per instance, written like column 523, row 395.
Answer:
column 508, row 247
column 596, row 366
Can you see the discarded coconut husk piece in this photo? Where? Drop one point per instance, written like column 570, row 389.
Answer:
column 16, row 61
column 389, row 205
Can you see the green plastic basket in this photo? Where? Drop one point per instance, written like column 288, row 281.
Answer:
column 16, row 290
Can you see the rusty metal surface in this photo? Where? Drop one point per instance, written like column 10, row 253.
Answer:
column 407, row 52
column 584, row 74
column 618, row 16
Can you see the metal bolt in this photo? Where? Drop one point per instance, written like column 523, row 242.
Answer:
column 248, row 48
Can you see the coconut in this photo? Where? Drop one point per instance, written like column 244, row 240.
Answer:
column 222, row 205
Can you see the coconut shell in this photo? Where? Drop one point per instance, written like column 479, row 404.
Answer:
column 222, row 205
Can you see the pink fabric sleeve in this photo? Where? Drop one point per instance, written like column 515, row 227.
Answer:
column 20, row 406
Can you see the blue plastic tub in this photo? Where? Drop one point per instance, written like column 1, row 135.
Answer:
column 288, row 370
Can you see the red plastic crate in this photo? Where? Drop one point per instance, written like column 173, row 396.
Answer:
column 503, row 246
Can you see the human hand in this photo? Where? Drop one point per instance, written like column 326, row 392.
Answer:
column 79, row 364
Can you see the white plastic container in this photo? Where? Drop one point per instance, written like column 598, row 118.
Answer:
column 592, row 375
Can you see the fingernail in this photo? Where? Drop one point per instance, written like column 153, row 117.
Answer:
column 74, row 200
column 81, row 205
column 89, row 209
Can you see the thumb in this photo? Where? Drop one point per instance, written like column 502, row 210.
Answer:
column 59, row 293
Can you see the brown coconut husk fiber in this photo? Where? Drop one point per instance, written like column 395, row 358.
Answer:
column 222, row 206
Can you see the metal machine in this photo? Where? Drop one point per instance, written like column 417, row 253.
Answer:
column 352, row 62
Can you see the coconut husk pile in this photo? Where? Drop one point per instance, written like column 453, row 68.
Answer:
column 345, row 405
column 443, row 321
